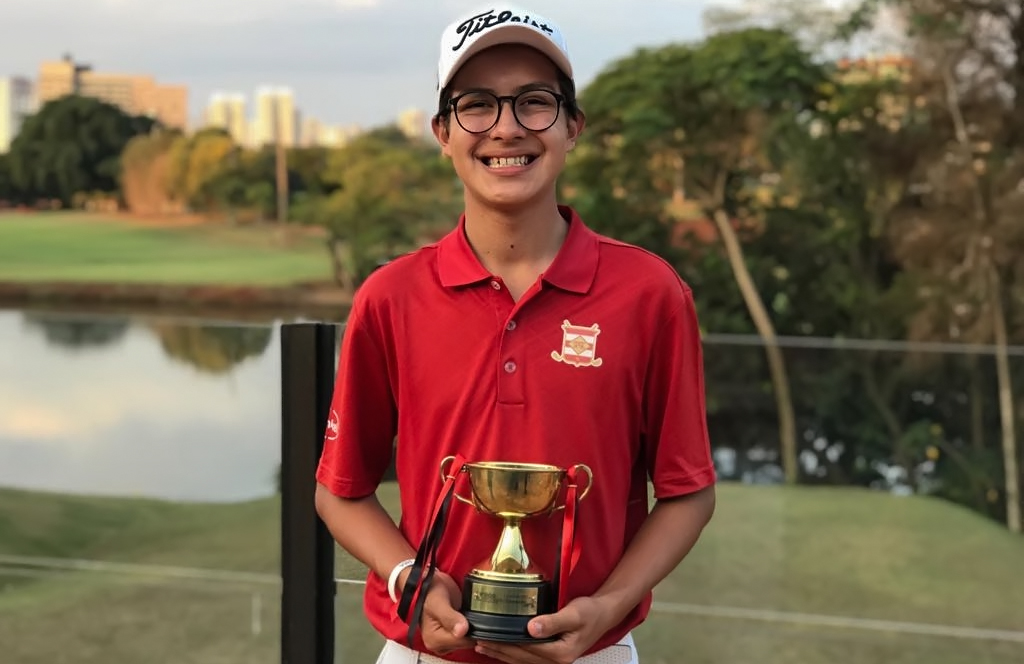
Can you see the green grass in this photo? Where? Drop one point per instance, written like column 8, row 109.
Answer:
column 840, row 552
column 92, row 248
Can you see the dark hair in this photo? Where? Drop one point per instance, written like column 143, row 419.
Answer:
column 565, row 85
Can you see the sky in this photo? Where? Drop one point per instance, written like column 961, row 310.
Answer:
column 347, row 61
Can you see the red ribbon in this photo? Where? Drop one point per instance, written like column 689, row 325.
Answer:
column 410, row 606
column 570, row 550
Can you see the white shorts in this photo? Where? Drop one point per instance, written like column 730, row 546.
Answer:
column 623, row 652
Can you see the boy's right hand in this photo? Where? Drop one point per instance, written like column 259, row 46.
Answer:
column 443, row 628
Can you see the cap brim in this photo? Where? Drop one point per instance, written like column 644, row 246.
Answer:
column 511, row 34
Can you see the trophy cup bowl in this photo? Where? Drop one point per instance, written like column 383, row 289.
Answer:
column 503, row 593
column 514, row 490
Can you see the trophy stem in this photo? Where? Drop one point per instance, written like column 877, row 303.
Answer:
column 510, row 555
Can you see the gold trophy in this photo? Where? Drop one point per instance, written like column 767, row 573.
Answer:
column 503, row 593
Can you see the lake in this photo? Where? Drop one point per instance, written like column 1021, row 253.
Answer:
column 163, row 407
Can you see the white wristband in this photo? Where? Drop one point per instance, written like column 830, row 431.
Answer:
column 393, row 579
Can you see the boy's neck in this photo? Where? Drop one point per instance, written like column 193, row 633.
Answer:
column 525, row 239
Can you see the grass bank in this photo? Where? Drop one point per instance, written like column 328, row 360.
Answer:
column 836, row 552
column 79, row 247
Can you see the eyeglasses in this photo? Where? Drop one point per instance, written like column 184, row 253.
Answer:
column 534, row 110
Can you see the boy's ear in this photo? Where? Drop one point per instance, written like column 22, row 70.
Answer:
column 439, row 126
column 576, row 125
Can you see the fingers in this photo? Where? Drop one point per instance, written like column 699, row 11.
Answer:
column 548, row 653
column 442, row 642
column 568, row 625
column 444, row 628
column 439, row 609
column 554, row 624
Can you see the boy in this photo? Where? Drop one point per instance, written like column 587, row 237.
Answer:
column 521, row 336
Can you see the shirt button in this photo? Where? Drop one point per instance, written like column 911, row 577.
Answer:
column 510, row 367
column 511, row 325
column 495, row 285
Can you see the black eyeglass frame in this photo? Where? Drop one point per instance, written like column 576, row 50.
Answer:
column 511, row 99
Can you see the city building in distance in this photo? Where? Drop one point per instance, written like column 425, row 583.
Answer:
column 135, row 94
column 317, row 133
column 275, row 115
column 226, row 110
column 277, row 118
column 413, row 123
column 16, row 102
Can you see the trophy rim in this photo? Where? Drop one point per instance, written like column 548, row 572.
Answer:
column 515, row 466
column 513, row 473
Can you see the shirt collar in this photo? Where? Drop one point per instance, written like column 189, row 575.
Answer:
column 573, row 269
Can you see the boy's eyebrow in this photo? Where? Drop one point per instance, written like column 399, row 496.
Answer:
column 537, row 85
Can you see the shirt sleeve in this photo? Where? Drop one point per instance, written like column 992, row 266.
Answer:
column 677, row 447
column 360, row 432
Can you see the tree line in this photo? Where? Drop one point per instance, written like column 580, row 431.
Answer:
column 800, row 195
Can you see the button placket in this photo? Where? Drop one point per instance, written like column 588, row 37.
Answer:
column 510, row 368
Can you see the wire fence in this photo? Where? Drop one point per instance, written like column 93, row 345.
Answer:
column 218, row 581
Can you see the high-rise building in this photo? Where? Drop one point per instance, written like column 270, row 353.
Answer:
column 316, row 133
column 276, row 117
column 16, row 102
column 413, row 123
column 57, row 79
column 227, row 111
column 341, row 136
column 134, row 94
column 311, row 132
column 166, row 103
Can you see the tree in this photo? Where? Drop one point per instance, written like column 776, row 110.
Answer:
column 848, row 170
column 388, row 192
column 73, row 145
column 8, row 191
column 684, row 126
column 812, row 23
column 145, row 172
column 195, row 160
column 963, row 231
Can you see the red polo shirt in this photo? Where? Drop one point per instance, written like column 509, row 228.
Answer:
column 599, row 363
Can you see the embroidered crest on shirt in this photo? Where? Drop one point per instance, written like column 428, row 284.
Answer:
column 579, row 345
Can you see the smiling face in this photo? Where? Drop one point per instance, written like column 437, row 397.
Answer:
column 507, row 167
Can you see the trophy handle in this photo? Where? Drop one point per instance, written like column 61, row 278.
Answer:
column 585, row 469
column 445, row 467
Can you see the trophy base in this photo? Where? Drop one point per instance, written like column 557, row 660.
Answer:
column 499, row 610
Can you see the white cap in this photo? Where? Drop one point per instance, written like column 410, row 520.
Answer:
column 503, row 24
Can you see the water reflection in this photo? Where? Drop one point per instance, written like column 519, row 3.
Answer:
column 212, row 348
column 172, row 409
column 73, row 333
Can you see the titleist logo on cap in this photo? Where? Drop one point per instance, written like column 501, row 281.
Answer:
column 488, row 20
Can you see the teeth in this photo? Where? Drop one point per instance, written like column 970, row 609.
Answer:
column 499, row 162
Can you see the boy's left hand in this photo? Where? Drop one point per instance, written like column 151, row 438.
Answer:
column 579, row 625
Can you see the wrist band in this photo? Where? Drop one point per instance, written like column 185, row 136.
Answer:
column 393, row 579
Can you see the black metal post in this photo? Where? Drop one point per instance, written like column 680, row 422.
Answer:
column 307, row 548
